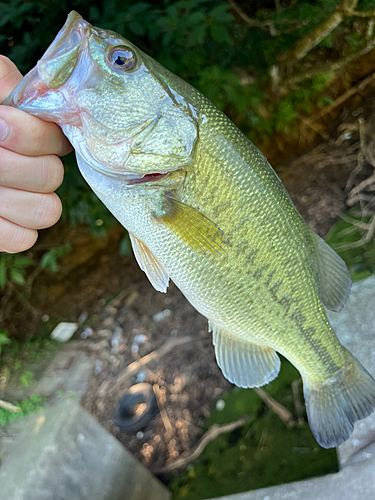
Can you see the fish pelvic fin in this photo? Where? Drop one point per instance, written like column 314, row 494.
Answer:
column 243, row 363
column 147, row 261
column 199, row 232
column 336, row 404
column 334, row 278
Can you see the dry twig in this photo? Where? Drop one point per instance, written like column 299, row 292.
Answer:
column 340, row 100
column 283, row 413
column 9, row 406
column 297, row 400
column 164, row 416
column 269, row 25
column 133, row 368
column 315, row 36
column 209, row 436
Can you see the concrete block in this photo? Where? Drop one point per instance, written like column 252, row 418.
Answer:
column 68, row 370
column 355, row 327
column 63, row 453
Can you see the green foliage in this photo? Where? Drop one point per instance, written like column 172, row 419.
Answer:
column 13, row 269
column 49, row 259
column 27, row 378
column 17, row 355
column 28, row 406
column 4, row 339
column 125, row 245
column 344, row 237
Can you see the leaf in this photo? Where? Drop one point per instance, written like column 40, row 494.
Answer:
column 22, row 262
column 3, row 276
column 16, row 276
column 4, row 338
column 137, row 8
column 221, row 15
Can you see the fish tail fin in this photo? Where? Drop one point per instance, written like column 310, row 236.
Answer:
column 335, row 405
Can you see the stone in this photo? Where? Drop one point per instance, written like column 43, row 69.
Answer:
column 63, row 453
column 355, row 328
column 64, row 331
column 68, row 370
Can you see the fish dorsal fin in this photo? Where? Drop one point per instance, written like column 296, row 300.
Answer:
column 334, row 278
column 199, row 232
column 243, row 363
column 147, row 261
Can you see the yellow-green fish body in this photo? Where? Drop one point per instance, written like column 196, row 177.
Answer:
column 204, row 208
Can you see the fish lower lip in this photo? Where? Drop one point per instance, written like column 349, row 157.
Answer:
column 147, row 178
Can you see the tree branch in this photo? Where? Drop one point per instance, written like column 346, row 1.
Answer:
column 340, row 100
column 268, row 26
column 327, row 68
column 315, row 36
column 9, row 406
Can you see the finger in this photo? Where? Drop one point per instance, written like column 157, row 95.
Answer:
column 30, row 210
column 15, row 238
column 9, row 77
column 31, row 136
column 39, row 174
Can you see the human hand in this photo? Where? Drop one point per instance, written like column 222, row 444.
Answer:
column 30, row 171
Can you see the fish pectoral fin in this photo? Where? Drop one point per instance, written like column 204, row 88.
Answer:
column 243, row 363
column 147, row 261
column 334, row 278
column 199, row 232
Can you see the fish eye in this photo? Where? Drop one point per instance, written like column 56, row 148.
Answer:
column 122, row 58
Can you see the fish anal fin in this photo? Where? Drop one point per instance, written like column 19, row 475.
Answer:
column 334, row 278
column 199, row 232
column 243, row 363
column 147, row 261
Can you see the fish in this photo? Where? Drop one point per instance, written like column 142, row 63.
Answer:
column 204, row 208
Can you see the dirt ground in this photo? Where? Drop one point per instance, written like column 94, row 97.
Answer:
column 127, row 318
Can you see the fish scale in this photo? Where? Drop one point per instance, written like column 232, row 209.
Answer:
column 204, row 208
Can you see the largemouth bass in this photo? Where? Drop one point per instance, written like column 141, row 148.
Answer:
column 204, row 208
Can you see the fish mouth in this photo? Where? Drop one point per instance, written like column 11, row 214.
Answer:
column 147, row 178
column 39, row 92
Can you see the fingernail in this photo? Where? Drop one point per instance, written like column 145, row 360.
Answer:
column 4, row 129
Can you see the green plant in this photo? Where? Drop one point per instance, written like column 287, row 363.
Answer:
column 345, row 238
column 28, row 406
column 27, row 378
column 4, row 339
column 50, row 259
column 13, row 269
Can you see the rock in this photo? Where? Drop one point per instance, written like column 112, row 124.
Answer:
column 64, row 331
column 63, row 453
column 70, row 368
column 161, row 315
column 355, row 328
